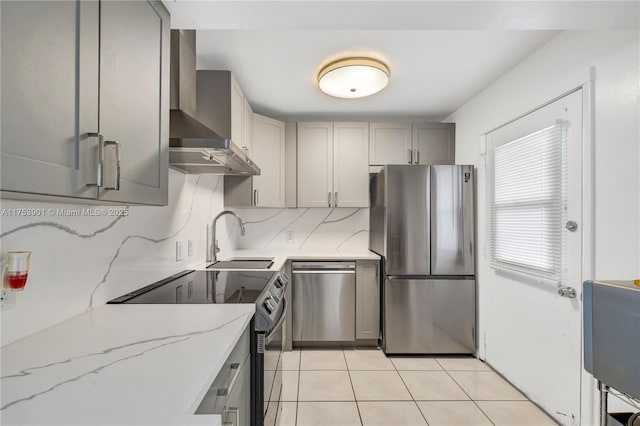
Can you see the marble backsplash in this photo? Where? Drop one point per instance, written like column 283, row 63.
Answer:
column 340, row 229
column 79, row 261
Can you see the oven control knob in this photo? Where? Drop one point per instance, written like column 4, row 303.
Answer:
column 283, row 279
column 268, row 305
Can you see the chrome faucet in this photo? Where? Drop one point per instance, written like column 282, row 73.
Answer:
column 213, row 248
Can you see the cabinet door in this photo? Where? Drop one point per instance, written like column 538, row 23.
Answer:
column 237, row 410
column 433, row 143
column 290, row 164
column 237, row 106
column 350, row 166
column 367, row 300
column 389, row 143
column 315, row 165
column 268, row 154
column 134, row 99
column 247, row 125
column 49, row 97
column 238, row 191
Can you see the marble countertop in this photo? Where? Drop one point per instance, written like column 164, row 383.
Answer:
column 121, row 365
column 280, row 256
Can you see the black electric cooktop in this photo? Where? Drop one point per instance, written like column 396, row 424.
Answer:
column 202, row 287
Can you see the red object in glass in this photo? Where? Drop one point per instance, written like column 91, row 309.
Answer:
column 16, row 281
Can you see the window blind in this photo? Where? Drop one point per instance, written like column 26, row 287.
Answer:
column 527, row 190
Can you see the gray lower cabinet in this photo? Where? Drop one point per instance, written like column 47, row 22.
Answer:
column 237, row 410
column 367, row 299
column 230, row 392
column 72, row 71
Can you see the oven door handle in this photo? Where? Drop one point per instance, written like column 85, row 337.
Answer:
column 279, row 322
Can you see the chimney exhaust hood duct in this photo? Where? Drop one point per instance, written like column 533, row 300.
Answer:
column 194, row 147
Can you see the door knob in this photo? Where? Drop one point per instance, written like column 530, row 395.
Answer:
column 572, row 226
column 569, row 292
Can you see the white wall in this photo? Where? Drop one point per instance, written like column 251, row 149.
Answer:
column 79, row 263
column 341, row 229
column 561, row 65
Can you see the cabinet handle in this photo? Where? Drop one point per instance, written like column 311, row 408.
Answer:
column 99, row 160
column 329, row 198
column 116, row 184
column 410, row 155
column 335, row 201
column 417, row 157
column 255, row 197
column 232, row 411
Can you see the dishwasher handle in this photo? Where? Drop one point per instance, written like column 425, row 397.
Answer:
column 304, row 267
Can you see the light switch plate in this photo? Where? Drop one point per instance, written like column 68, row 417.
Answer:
column 189, row 248
column 179, row 251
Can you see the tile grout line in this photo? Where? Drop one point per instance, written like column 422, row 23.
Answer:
column 465, row 392
column 298, row 390
column 407, row 387
column 355, row 398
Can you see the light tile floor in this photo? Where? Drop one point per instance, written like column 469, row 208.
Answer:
column 348, row 387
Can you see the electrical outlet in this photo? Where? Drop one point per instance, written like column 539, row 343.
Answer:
column 190, row 248
column 179, row 251
column 8, row 300
column 289, row 236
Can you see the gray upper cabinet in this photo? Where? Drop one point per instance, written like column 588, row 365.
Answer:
column 72, row 71
column 403, row 142
column 134, row 101
column 433, row 143
column 49, row 97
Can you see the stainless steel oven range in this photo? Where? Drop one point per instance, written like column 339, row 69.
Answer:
column 266, row 289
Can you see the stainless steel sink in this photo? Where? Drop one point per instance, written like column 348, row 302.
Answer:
column 262, row 263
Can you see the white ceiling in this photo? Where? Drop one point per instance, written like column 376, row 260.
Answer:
column 441, row 53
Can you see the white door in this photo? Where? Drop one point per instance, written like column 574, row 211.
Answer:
column 536, row 339
column 350, row 166
column 315, row 164
column 390, row 143
column 268, row 153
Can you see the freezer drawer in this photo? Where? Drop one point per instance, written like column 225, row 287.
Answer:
column 324, row 302
column 427, row 316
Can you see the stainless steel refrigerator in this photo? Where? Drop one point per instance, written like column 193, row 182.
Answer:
column 422, row 224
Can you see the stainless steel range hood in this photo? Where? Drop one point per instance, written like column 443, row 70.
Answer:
column 194, row 147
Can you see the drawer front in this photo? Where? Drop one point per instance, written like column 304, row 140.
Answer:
column 218, row 394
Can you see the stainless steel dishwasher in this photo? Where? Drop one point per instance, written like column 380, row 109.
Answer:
column 324, row 300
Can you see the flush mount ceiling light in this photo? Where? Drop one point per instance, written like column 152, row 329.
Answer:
column 353, row 77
